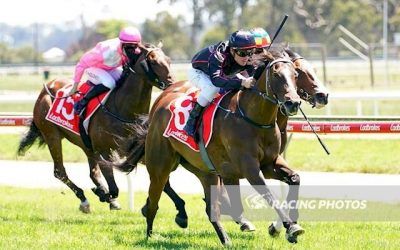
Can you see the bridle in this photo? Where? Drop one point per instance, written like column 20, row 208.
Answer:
column 151, row 75
column 301, row 91
column 268, row 95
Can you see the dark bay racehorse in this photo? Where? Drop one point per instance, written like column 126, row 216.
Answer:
column 310, row 89
column 238, row 149
column 109, row 125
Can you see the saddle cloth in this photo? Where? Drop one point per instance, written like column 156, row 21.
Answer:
column 180, row 109
column 62, row 112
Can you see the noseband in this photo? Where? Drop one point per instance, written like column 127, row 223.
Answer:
column 265, row 95
column 302, row 92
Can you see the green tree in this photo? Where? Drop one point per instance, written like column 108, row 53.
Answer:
column 109, row 28
column 173, row 32
column 197, row 8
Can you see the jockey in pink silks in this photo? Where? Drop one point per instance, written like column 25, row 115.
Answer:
column 102, row 64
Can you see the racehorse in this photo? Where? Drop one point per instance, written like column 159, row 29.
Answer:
column 310, row 89
column 238, row 149
column 108, row 125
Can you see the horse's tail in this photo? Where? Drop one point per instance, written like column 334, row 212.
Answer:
column 30, row 138
column 136, row 148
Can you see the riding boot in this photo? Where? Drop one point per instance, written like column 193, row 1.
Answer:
column 190, row 126
column 93, row 92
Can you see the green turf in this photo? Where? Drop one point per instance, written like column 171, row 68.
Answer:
column 49, row 219
column 347, row 155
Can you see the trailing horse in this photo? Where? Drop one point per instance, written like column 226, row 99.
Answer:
column 109, row 125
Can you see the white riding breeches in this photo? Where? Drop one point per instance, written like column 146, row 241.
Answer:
column 202, row 81
column 105, row 77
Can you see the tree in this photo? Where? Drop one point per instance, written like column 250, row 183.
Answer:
column 197, row 7
column 173, row 33
column 225, row 13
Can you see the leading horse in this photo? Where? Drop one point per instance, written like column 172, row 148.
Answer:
column 109, row 125
column 310, row 89
column 237, row 148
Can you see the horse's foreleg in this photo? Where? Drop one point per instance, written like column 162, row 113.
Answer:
column 181, row 218
column 231, row 204
column 255, row 178
column 108, row 174
column 285, row 174
column 95, row 174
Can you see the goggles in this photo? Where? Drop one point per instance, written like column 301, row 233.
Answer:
column 244, row 52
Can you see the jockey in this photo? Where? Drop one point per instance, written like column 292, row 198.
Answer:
column 217, row 66
column 263, row 41
column 102, row 64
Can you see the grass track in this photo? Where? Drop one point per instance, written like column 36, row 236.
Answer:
column 49, row 219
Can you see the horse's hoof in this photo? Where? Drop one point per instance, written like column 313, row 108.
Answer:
column 227, row 243
column 293, row 231
column 246, row 226
column 272, row 231
column 85, row 208
column 114, row 205
column 181, row 221
column 149, row 233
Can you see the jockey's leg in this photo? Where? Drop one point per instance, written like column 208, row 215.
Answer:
column 207, row 94
column 103, row 81
column 93, row 92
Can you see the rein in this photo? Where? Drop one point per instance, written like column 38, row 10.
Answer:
column 302, row 92
column 150, row 72
column 266, row 96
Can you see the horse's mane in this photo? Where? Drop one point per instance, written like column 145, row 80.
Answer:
column 272, row 54
column 291, row 53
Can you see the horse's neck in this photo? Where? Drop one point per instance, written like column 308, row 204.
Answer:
column 133, row 97
column 257, row 109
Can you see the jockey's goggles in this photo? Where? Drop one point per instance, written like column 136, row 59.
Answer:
column 244, row 52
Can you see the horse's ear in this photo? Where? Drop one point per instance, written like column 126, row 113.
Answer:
column 160, row 44
column 285, row 45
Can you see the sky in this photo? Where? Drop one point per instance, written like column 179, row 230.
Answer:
column 26, row 12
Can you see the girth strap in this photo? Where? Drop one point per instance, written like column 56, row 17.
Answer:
column 203, row 152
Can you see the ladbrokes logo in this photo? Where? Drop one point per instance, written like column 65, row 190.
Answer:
column 394, row 127
column 7, row 122
column 370, row 127
column 339, row 128
column 317, row 128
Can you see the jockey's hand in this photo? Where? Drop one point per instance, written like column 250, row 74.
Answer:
column 74, row 88
column 248, row 82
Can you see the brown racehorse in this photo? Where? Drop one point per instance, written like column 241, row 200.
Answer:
column 109, row 125
column 310, row 89
column 238, row 149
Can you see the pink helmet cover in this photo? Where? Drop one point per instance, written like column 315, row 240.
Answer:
column 130, row 35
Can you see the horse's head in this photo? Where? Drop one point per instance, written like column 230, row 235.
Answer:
column 153, row 63
column 309, row 87
column 279, row 82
